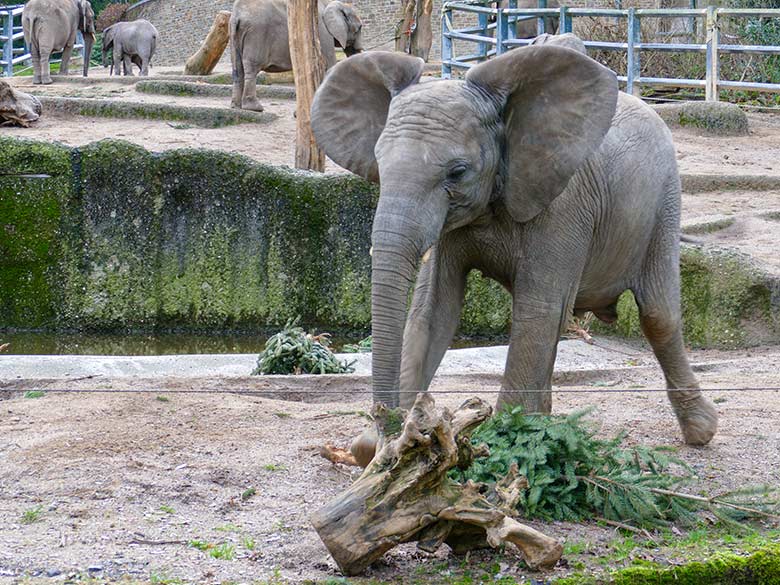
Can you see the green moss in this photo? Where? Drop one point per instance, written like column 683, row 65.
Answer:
column 30, row 229
column 760, row 568
column 121, row 238
column 709, row 227
column 201, row 116
column 725, row 303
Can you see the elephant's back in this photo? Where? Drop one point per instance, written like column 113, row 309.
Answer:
column 260, row 28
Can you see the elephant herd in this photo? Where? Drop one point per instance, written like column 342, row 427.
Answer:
column 534, row 169
column 51, row 26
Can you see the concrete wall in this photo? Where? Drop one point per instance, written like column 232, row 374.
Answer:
column 211, row 241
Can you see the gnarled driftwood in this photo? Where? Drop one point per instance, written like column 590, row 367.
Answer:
column 405, row 495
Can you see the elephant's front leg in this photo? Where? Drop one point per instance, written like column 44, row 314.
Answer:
column 432, row 322
column 538, row 317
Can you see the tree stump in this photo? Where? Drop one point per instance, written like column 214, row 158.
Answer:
column 309, row 70
column 210, row 52
column 405, row 495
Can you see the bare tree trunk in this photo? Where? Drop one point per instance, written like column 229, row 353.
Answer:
column 423, row 35
column 405, row 494
column 309, row 71
column 413, row 32
column 210, row 52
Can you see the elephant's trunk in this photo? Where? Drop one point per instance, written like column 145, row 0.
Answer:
column 89, row 41
column 402, row 232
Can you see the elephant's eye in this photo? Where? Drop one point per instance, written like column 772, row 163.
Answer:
column 456, row 172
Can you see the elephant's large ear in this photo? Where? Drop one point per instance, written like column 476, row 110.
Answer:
column 350, row 107
column 558, row 106
column 336, row 22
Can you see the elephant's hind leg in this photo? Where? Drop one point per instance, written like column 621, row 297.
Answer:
column 658, row 299
column 249, row 99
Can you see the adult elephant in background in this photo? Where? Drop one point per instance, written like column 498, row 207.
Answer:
column 130, row 42
column 50, row 26
column 259, row 41
column 534, row 170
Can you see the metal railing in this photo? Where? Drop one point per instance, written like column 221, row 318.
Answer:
column 11, row 31
column 495, row 38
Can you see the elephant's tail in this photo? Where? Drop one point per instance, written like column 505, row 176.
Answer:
column 31, row 34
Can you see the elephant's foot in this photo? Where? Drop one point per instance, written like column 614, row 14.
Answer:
column 235, row 104
column 252, row 104
column 37, row 80
column 46, row 81
column 532, row 402
column 363, row 448
column 698, row 420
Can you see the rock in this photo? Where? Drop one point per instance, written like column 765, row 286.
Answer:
column 720, row 118
column 53, row 572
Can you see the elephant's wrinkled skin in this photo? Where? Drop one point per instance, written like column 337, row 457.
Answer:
column 50, row 26
column 259, row 41
column 130, row 43
column 17, row 108
column 536, row 171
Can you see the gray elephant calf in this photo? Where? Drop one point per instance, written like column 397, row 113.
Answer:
column 259, row 41
column 534, row 170
column 50, row 26
column 130, row 42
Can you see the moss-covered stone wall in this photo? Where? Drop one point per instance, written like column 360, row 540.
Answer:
column 119, row 238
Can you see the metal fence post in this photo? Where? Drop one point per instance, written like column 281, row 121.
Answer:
column 8, row 44
column 633, row 67
column 502, row 30
column 542, row 20
column 482, row 48
column 713, row 70
column 446, row 43
column 511, row 22
column 566, row 24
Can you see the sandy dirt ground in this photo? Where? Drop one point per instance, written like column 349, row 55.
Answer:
column 123, row 482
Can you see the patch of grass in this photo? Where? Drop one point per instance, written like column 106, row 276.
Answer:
column 282, row 414
column 164, row 579
column 223, row 552
column 228, row 528
column 32, row 515
column 34, row 394
column 248, row 543
column 167, row 509
column 771, row 215
column 708, row 227
column 201, row 545
column 294, row 351
column 274, row 467
column 248, row 493
column 719, row 400
column 162, row 399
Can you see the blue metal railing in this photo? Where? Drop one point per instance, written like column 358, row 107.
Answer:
column 494, row 38
column 11, row 31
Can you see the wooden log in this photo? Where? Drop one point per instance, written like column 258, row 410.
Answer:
column 423, row 34
column 413, row 33
column 210, row 52
column 308, row 70
column 405, row 495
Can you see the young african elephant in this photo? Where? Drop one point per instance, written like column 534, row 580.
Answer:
column 17, row 108
column 50, row 26
column 259, row 41
column 534, row 170
column 131, row 43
